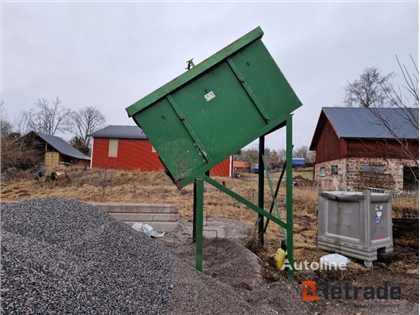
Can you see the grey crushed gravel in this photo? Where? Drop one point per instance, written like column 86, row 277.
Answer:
column 63, row 256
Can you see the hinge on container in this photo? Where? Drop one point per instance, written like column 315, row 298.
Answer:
column 190, row 64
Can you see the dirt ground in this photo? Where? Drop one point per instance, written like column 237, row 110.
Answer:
column 226, row 259
column 229, row 230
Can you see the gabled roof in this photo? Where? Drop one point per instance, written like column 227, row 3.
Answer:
column 361, row 123
column 120, row 132
column 61, row 146
column 240, row 164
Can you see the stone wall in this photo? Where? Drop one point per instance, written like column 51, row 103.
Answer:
column 353, row 174
column 332, row 181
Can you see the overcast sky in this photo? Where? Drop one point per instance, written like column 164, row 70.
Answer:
column 111, row 54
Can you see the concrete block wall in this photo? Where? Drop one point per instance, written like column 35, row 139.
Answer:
column 162, row 217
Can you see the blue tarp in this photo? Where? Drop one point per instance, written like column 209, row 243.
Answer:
column 298, row 161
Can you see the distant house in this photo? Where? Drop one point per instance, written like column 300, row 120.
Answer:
column 241, row 167
column 55, row 150
column 127, row 147
column 355, row 150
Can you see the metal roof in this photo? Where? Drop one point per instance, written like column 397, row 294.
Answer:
column 62, row 146
column 360, row 122
column 120, row 132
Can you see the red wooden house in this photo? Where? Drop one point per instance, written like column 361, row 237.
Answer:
column 128, row 148
column 355, row 150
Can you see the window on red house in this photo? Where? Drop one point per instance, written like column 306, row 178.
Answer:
column 113, row 148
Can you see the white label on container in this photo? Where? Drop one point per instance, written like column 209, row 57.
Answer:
column 209, row 96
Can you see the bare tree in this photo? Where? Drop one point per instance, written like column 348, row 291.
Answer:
column 311, row 157
column 250, row 155
column 77, row 143
column 410, row 98
column 84, row 122
column 21, row 123
column 273, row 157
column 6, row 126
column 303, row 152
column 406, row 100
column 282, row 155
column 375, row 91
column 370, row 90
column 48, row 118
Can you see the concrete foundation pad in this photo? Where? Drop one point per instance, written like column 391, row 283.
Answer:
column 162, row 217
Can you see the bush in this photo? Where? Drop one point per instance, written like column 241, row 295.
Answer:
column 20, row 155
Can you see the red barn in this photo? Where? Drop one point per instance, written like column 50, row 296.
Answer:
column 128, row 148
column 356, row 150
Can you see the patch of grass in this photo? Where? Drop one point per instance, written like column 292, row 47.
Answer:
column 405, row 208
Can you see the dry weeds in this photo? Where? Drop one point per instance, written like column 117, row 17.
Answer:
column 97, row 185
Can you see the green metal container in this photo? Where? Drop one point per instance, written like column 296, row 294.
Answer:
column 216, row 108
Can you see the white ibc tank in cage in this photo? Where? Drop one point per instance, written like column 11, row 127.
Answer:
column 356, row 224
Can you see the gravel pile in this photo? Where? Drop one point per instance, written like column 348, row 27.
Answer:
column 61, row 256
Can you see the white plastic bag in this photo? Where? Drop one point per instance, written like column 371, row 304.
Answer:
column 145, row 228
column 333, row 260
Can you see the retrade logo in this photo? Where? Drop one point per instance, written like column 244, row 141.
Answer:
column 349, row 292
column 308, row 291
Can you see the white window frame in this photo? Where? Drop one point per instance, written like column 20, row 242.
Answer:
column 113, row 148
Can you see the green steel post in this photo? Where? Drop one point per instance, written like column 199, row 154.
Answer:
column 261, row 191
column 289, row 197
column 194, row 209
column 198, row 202
column 194, row 233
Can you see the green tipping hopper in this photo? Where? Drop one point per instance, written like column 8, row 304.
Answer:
column 212, row 111
column 216, row 108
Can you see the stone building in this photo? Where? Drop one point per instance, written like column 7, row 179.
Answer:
column 355, row 149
